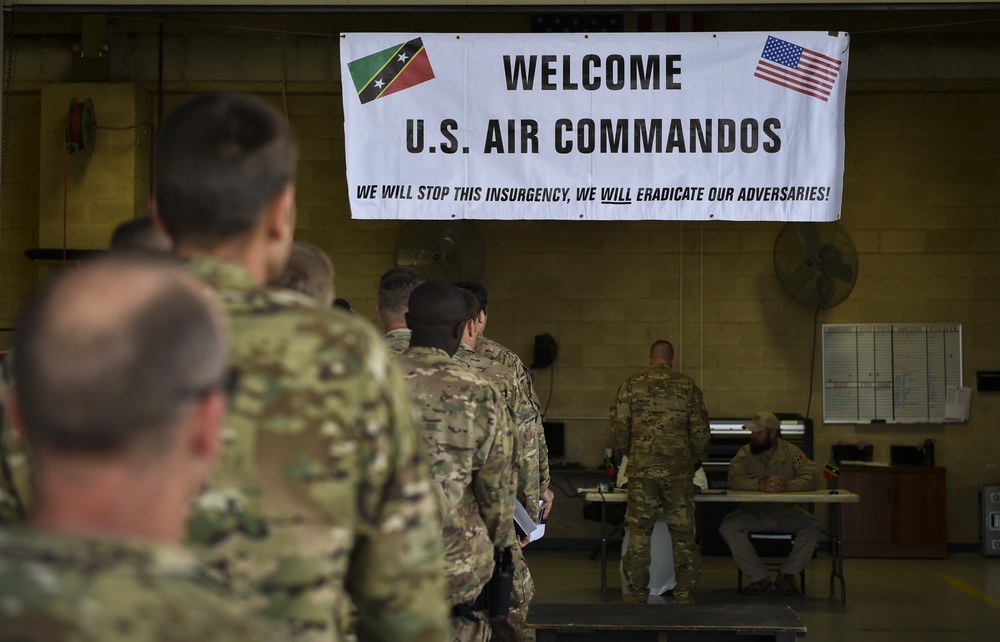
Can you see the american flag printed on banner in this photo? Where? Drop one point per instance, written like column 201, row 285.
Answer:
column 797, row 68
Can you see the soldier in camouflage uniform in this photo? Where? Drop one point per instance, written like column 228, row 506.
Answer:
column 520, row 408
column 535, row 457
column 509, row 359
column 528, row 489
column 771, row 465
column 122, row 394
column 309, row 271
column 659, row 421
column 134, row 237
column 394, row 290
column 472, row 447
column 323, row 496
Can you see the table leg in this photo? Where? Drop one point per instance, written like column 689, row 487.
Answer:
column 837, row 553
column 604, row 552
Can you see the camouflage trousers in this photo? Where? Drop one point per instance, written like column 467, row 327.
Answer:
column 645, row 498
column 521, row 596
column 467, row 630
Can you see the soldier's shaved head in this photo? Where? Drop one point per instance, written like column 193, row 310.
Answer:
column 394, row 289
column 437, row 315
column 309, row 271
column 120, row 382
column 661, row 352
column 139, row 235
column 104, row 354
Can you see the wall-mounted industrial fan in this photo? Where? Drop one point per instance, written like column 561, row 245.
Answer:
column 816, row 263
column 448, row 250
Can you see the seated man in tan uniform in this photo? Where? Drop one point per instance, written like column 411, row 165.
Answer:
column 771, row 465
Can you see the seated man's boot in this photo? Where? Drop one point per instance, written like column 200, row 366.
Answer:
column 786, row 584
column 758, row 587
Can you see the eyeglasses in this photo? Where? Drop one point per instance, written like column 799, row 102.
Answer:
column 229, row 381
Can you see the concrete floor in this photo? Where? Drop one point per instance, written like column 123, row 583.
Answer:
column 952, row 600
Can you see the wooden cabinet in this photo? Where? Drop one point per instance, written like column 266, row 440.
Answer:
column 902, row 513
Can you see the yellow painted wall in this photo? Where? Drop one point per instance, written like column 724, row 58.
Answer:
column 920, row 201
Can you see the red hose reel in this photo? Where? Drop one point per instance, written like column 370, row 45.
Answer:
column 81, row 126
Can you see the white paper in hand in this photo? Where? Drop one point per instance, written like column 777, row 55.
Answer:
column 523, row 524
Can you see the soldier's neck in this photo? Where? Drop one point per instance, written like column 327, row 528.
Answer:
column 112, row 501
column 251, row 256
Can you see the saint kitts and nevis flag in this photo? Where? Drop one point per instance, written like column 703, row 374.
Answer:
column 394, row 69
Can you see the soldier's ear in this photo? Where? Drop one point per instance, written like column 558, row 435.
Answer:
column 281, row 213
column 206, row 431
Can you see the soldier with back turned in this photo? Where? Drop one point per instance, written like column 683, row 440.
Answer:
column 535, row 456
column 472, row 447
column 394, row 289
column 659, row 421
column 322, row 498
column 121, row 391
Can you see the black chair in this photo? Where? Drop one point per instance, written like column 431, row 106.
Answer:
column 772, row 545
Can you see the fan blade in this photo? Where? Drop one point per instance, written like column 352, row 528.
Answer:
column 837, row 270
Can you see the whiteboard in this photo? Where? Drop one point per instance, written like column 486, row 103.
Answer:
column 889, row 373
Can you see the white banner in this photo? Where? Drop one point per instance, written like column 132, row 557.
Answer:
column 685, row 126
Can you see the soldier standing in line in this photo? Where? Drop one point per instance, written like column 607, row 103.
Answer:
column 121, row 392
column 322, row 493
column 535, row 457
column 139, row 235
column 509, row 359
column 394, row 290
column 472, row 446
column 659, row 421
column 309, row 271
column 134, row 237
column 520, row 408
column 522, row 413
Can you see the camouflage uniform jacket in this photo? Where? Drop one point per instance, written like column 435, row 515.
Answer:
column 659, row 420
column 55, row 589
column 397, row 340
column 322, row 489
column 15, row 459
column 509, row 359
column 520, row 413
column 472, row 448
column 787, row 462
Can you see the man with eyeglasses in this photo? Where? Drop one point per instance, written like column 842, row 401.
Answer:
column 322, row 513
column 121, row 393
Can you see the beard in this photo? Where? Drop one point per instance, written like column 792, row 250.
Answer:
column 757, row 449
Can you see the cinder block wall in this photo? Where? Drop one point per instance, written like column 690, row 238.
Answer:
column 19, row 213
column 920, row 202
